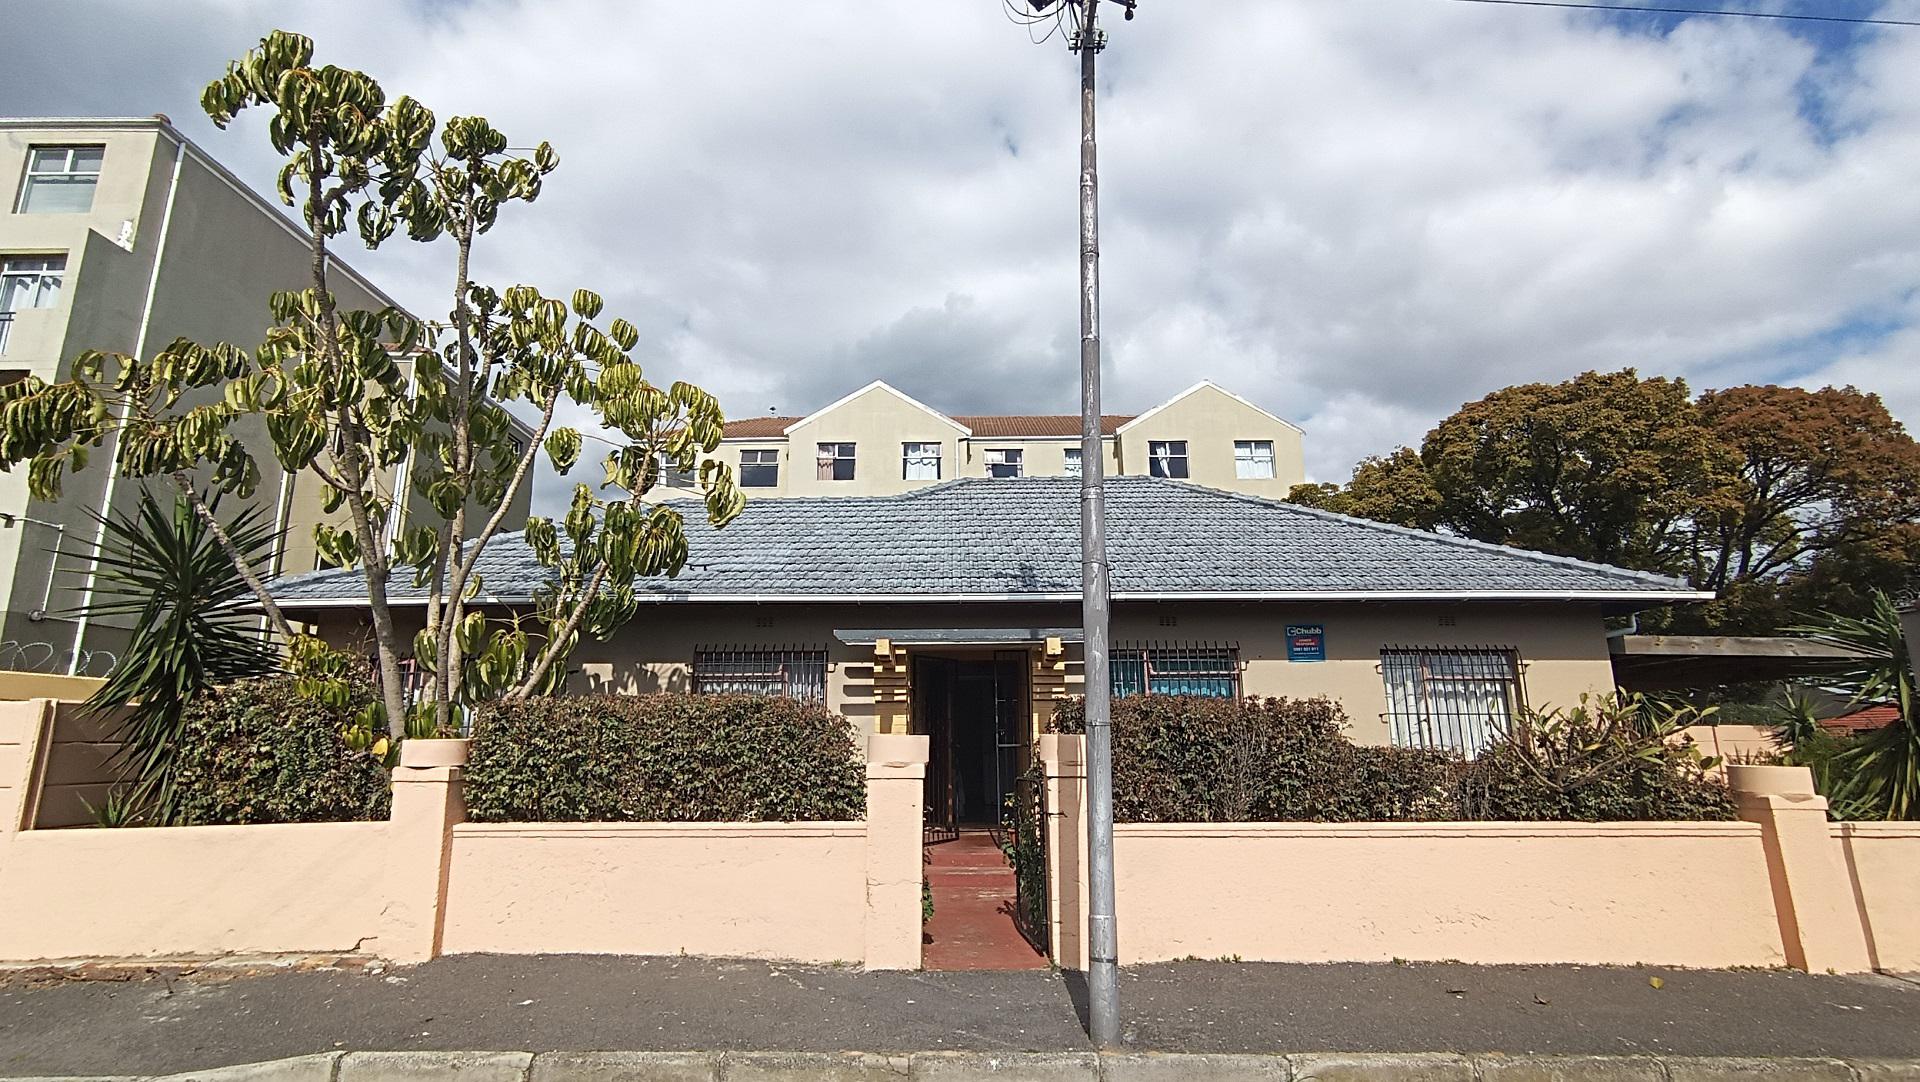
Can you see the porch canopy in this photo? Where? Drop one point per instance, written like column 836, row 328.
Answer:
column 957, row 636
column 1676, row 662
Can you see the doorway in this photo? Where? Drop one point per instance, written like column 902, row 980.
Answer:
column 974, row 711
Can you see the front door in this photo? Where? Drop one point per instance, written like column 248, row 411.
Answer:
column 974, row 709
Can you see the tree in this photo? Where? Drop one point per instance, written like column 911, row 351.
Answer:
column 1393, row 488
column 328, row 386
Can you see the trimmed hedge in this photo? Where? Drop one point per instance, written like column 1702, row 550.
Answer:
column 663, row 758
column 1189, row 759
column 257, row 751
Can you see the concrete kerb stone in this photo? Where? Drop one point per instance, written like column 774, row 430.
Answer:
column 1405, row 1067
column 1037, row 1066
column 317, row 1068
column 1569, row 1069
column 812, row 1067
column 1742, row 1069
column 625, row 1067
column 434, row 1067
column 1193, row 1067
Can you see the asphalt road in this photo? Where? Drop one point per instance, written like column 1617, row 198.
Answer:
column 160, row 1021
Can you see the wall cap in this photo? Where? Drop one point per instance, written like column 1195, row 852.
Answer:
column 422, row 752
column 1770, row 780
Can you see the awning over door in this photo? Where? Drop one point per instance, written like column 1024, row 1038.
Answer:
column 957, row 636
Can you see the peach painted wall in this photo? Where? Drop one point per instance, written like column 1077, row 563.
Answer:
column 760, row 890
column 1687, row 894
column 1883, row 864
column 171, row 891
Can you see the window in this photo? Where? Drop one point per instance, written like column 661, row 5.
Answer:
column 1004, row 462
column 1450, row 699
column 1071, row 464
column 797, row 674
column 60, row 180
column 760, row 469
column 1167, row 458
column 920, row 461
column 672, row 476
column 31, row 281
column 836, row 462
column 1212, row 672
column 1253, row 458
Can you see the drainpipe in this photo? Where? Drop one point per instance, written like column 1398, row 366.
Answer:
column 139, row 351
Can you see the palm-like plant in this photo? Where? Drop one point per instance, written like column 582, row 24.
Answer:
column 1878, row 775
column 162, row 567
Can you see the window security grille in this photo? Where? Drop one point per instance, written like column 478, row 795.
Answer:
column 1209, row 670
column 795, row 672
column 1450, row 699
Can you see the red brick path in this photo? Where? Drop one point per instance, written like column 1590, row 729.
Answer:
column 973, row 898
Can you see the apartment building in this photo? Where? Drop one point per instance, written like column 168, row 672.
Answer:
column 878, row 441
column 121, row 234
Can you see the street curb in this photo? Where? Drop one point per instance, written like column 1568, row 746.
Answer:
column 1036, row 1066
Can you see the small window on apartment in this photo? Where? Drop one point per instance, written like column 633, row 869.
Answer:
column 920, row 461
column 30, row 281
column 1450, row 699
column 672, row 476
column 1211, row 672
column 760, row 469
column 1070, row 464
column 1167, row 458
column 1005, row 462
column 61, row 180
column 752, row 670
column 836, row 461
column 1253, row 458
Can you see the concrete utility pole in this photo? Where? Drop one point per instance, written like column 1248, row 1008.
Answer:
column 1103, row 962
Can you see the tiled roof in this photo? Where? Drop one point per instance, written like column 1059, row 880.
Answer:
column 1864, row 720
column 758, row 427
column 1019, row 538
column 1006, row 426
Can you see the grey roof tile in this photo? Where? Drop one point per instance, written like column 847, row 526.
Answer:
column 1021, row 537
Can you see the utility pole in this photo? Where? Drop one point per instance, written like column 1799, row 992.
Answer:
column 1103, row 961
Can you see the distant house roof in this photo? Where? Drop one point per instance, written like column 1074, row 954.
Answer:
column 758, row 428
column 1864, row 720
column 1007, row 426
column 1018, row 539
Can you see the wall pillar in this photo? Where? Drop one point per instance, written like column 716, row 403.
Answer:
column 428, row 802
column 1064, row 758
column 1820, row 924
column 896, row 829
column 26, row 727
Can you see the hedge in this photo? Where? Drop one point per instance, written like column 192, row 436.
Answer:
column 1190, row 759
column 258, row 752
column 663, row 758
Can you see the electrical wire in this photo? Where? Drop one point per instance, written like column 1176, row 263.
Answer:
column 1651, row 9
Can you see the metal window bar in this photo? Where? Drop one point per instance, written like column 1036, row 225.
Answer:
column 1451, row 698
column 792, row 671
column 1210, row 670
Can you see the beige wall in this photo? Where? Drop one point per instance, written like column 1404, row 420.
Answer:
column 877, row 421
column 1210, row 420
column 1883, row 867
column 1562, row 647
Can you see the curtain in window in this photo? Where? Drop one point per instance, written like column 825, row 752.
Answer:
column 1209, row 673
column 1450, row 700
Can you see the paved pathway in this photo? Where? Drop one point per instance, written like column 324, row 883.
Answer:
column 973, row 900
column 160, row 1022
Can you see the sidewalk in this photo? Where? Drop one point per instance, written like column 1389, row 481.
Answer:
column 162, row 1022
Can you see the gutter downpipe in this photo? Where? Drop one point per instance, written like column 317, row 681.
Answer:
column 139, row 351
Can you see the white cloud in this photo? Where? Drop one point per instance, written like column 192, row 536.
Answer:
column 1360, row 215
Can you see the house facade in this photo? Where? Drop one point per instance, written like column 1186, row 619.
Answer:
column 122, row 235
column 878, row 441
column 953, row 611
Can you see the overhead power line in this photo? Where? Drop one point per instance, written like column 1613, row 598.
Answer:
column 1652, row 9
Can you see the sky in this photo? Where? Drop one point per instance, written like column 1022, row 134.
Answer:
column 1359, row 214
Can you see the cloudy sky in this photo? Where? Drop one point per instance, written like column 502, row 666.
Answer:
column 1358, row 213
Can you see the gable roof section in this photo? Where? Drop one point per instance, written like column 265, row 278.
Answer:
column 757, row 428
column 1018, row 539
column 876, row 385
column 1207, row 384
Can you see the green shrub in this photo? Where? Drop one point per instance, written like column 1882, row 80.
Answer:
column 1181, row 759
column 258, row 751
column 1203, row 760
column 663, row 758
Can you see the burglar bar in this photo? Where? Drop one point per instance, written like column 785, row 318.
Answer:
column 797, row 672
column 1210, row 669
column 1451, row 698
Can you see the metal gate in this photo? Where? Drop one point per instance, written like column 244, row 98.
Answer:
column 1024, row 838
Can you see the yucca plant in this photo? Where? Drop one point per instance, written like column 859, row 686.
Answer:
column 162, row 567
column 1878, row 775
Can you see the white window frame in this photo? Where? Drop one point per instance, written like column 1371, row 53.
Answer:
column 1251, row 456
column 673, row 476
column 1451, row 698
column 1003, row 458
column 771, row 461
column 830, row 455
column 1161, row 459
column 39, row 278
column 66, row 174
column 1070, row 462
column 918, row 456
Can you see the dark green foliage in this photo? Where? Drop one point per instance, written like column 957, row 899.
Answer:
column 663, row 758
column 261, row 752
column 1200, row 760
column 1877, row 774
column 1180, row 759
column 162, row 567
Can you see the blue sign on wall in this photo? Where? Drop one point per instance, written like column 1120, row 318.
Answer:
column 1306, row 642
